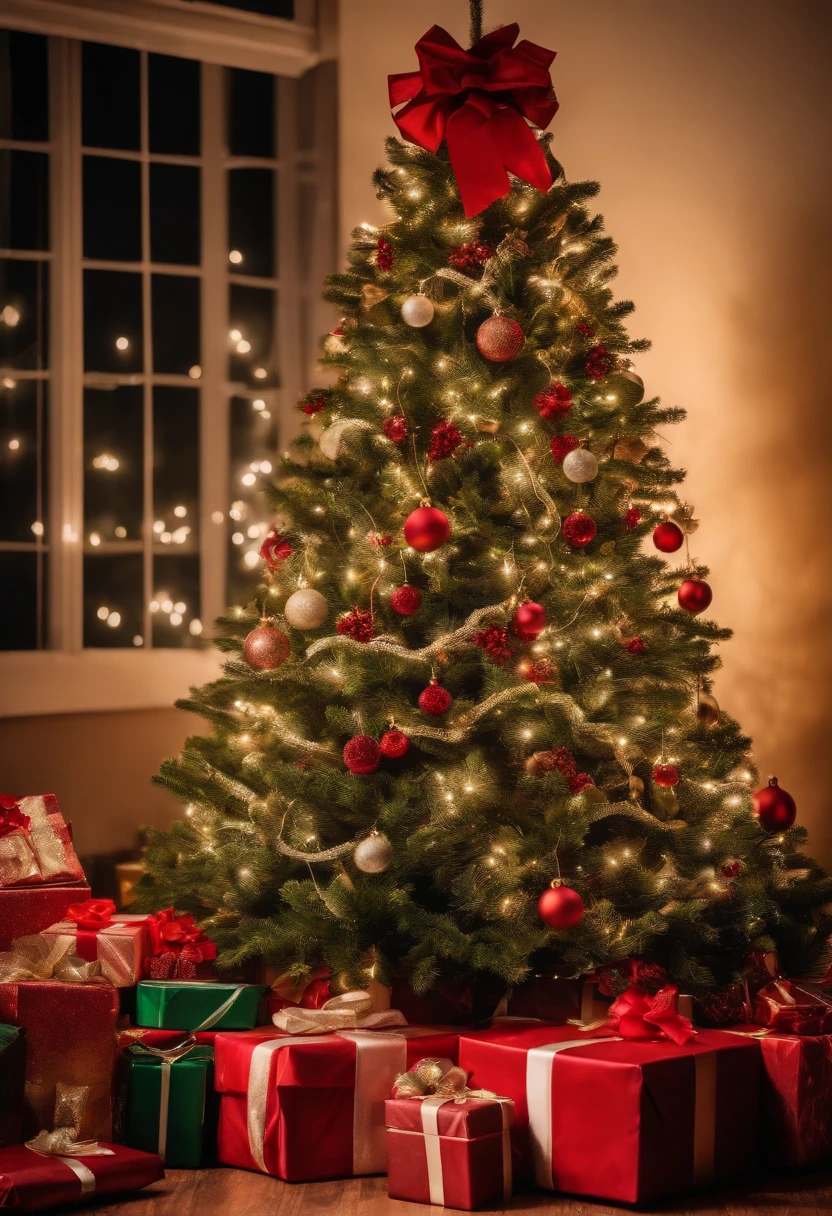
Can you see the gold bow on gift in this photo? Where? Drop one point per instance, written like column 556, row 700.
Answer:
column 70, row 1102
column 433, row 1078
column 41, row 958
column 349, row 1011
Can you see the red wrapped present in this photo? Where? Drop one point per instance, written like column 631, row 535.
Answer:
column 177, row 948
column 31, row 1181
column 28, row 910
column 35, row 843
column 93, row 931
column 793, row 1007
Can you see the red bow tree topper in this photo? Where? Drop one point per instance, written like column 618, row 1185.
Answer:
column 478, row 101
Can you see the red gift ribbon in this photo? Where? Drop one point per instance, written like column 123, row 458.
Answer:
column 12, row 818
column 478, row 101
column 91, row 917
column 637, row 1015
column 169, row 932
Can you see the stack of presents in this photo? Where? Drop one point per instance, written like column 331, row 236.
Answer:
column 122, row 1054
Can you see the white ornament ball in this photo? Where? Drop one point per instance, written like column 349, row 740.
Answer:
column 373, row 854
column 417, row 311
column 330, row 440
column 306, row 609
column 580, row 465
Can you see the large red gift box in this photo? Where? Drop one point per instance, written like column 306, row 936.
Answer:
column 28, row 910
column 793, row 1007
column 308, row 1107
column 70, row 1037
column 30, row 1181
column 628, row 1120
column 448, row 1153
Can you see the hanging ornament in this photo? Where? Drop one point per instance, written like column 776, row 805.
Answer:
column 562, row 445
column 560, row 907
column 635, row 646
column 330, row 440
column 306, row 609
column 266, row 648
column 585, row 329
column 580, row 782
column 379, row 540
column 493, row 640
column 731, row 867
column 695, row 595
column 632, row 519
column 776, row 810
column 487, row 426
column 627, row 386
column 362, row 754
column 668, row 537
column 394, row 744
column 580, row 465
column 578, row 530
column 275, row 549
column 665, row 804
column 635, row 786
column 373, row 854
column 435, row 700
column 406, row 600
column 384, row 254
column 427, row 528
column 543, row 671
column 666, row 775
column 470, row 257
column 553, row 400
column 707, row 710
column 599, row 362
column 314, row 401
column 445, row 438
column 357, row 624
column 372, row 294
column 417, row 311
column 500, row 339
column 395, row 428
column 529, row 621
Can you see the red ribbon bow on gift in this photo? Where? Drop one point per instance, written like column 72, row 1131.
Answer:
column 92, row 913
column 478, row 102
column 12, row 818
column 637, row 1015
column 169, row 932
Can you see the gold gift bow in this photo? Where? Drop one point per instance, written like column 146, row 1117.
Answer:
column 62, row 1141
column 168, row 1057
column 39, row 958
column 348, row 1011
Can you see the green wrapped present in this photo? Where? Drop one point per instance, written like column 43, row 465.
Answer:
column 191, row 1005
column 170, row 1103
column 12, row 1075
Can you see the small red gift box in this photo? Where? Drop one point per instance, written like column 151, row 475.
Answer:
column 308, row 1107
column 94, row 931
column 35, row 843
column 449, row 1153
column 628, row 1120
column 793, row 1007
column 31, row 1181
column 28, row 910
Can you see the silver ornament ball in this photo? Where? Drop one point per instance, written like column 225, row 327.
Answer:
column 580, row 465
column 417, row 311
column 306, row 609
column 330, row 440
column 373, row 854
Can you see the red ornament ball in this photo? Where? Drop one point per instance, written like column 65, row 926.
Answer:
column 775, row 809
column 562, row 445
column 560, row 907
column 635, row 646
column 579, row 529
column 435, row 700
column 394, row 744
column 731, row 867
column 695, row 595
column 406, row 600
column 362, row 754
column 357, row 624
column 500, row 339
column 529, row 621
column 666, row 776
column 266, row 648
column 426, row 529
column 631, row 519
column 668, row 537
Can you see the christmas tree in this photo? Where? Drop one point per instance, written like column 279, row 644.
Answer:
column 466, row 726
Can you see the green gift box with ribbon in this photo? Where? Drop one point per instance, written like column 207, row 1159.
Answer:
column 191, row 1005
column 171, row 1108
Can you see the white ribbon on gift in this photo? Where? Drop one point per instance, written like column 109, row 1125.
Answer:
column 167, row 1057
column 433, row 1149
column 347, row 1011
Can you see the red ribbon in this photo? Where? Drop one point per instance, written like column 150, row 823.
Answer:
column 172, row 933
column 91, row 917
column 478, row 102
column 636, row 1015
column 12, row 818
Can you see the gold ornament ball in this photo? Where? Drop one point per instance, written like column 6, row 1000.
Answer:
column 707, row 710
column 373, row 854
column 266, row 648
column 306, row 609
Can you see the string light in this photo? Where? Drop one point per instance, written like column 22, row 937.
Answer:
column 235, row 257
column 122, row 343
column 14, row 445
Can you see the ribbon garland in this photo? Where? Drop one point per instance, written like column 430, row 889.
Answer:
column 43, row 958
column 478, row 101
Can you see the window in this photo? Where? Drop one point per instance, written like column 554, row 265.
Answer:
column 164, row 226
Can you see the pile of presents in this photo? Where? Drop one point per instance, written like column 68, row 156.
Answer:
column 121, row 1054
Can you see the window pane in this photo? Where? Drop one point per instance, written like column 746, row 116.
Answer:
column 23, row 611
column 251, row 220
column 306, row 110
column 251, row 113
column 24, row 72
column 307, row 226
column 269, row 8
column 176, row 592
column 24, row 200
column 112, row 321
column 253, row 315
column 112, row 599
column 173, row 105
column 23, row 461
column 113, row 464
column 174, row 214
column 112, row 209
column 176, row 468
column 253, row 448
column 110, row 97
column 175, row 323
column 24, row 309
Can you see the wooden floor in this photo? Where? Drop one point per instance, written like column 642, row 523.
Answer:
column 238, row 1193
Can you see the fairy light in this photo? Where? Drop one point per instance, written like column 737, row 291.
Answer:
column 95, row 539
column 122, row 343
column 114, row 620
column 235, row 257
column 14, row 445
column 243, row 347
column 121, row 532
column 37, row 528
column 195, row 627
column 260, row 373
column 102, row 613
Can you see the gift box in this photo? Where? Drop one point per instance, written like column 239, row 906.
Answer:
column 170, row 1102
column 194, row 1005
column 627, row 1120
column 130, row 1035
column 35, row 843
column 28, row 910
column 12, row 1075
column 93, row 931
column 70, row 1038
column 31, row 1181
column 793, row 1007
column 309, row 1107
column 449, row 1153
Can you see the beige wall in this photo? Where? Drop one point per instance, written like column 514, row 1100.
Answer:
column 709, row 127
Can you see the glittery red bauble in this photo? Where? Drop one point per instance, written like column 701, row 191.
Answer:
column 635, row 646
column 562, row 445
column 406, row 600
column 435, row 700
column 357, row 624
column 426, row 529
column 275, row 549
column 666, row 776
column 578, row 530
column 553, row 400
column 668, row 537
column 395, row 428
column 500, row 339
column 529, row 621
column 632, row 519
column 560, row 908
column 731, row 867
column 394, row 744
column 384, row 256
column 445, row 438
column 695, row 595
column 362, row 754
column 775, row 809
column 266, row 648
